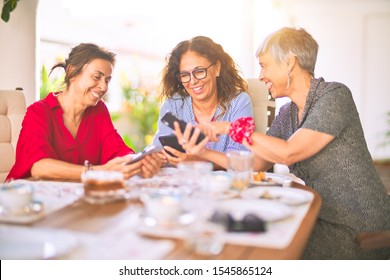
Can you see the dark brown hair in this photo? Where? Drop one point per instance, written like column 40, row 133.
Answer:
column 81, row 55
column 229, row 82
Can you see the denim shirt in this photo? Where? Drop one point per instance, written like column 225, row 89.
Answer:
column 240, row 106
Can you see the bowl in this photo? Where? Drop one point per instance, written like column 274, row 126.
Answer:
column 218, row 182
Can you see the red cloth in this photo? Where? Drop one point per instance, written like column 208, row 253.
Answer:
column 44, row 135
column 242, row 128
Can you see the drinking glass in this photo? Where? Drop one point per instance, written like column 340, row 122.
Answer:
column 240, row 167
column 206, row 238
column 194, row 174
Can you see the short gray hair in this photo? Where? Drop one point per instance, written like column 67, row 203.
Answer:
column 292, row 41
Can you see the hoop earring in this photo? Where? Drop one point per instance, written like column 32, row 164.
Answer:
column 288, row 80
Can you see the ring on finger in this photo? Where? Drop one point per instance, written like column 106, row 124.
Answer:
column 183, row 141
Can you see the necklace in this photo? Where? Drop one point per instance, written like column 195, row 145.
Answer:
column 74, row 122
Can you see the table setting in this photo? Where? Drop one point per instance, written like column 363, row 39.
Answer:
column 192, row 203
column 174, row 210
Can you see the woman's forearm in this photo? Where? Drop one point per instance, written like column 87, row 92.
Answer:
column 56, row 169
column 269, row 149
column 218, row 158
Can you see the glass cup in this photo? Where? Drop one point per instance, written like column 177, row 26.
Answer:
column 102, row 186
column 194, row 174
column 240, row 167
column 206, row 238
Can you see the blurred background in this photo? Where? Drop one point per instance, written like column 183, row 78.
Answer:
column 353, row 36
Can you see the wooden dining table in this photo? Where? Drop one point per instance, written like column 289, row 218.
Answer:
column 113, row 219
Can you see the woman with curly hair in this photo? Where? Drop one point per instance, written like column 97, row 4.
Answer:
column 201, row 84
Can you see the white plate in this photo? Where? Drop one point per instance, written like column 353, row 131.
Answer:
column 269, row 211
column 273, row 180
column 288, row 196
column 24, row 243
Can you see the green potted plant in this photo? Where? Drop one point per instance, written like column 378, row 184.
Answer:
column 49, row 85
column 140, row 110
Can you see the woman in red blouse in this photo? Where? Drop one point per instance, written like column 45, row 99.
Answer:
column 62, row 131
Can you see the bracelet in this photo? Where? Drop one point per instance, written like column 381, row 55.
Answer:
column 87, row 166
column 241, row 129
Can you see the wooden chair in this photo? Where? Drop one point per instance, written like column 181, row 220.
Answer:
column 263, row 104
column 12, row 111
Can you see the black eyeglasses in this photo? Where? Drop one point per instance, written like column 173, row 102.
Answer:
column 199, row 73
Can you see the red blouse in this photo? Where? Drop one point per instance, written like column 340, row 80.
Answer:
column 44, row 135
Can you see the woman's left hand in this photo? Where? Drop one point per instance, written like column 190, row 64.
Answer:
column 188, row 141
column 121, row 164
column 176, row 156
column 151, row 164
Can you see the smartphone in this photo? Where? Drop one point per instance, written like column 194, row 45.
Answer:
column 147, row 151
column 168, row 119
column 171, row 141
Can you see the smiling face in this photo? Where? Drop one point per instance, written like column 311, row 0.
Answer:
column 274, row 74
column 92, row 81
column 204, row 89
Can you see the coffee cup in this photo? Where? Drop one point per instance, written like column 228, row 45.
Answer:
column 162, row 207
column 15, row 197
column 217, row 182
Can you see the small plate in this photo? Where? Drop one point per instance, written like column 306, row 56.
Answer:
column 33, row 212
column 288, row 196
column 26, row 243
column 273, row 179
column 103, row 197
column 269, row 211
column 183, row 219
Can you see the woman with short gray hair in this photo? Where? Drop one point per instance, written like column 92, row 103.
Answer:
column 319, row 136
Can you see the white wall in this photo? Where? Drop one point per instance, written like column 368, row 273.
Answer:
column 353, row 36
column 354, row 40
column 18, row 52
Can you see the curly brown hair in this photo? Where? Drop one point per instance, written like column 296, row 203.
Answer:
column 229, row 82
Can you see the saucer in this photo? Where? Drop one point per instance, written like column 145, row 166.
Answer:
column 31, row 213
column 103, row 197
column 183, row 219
